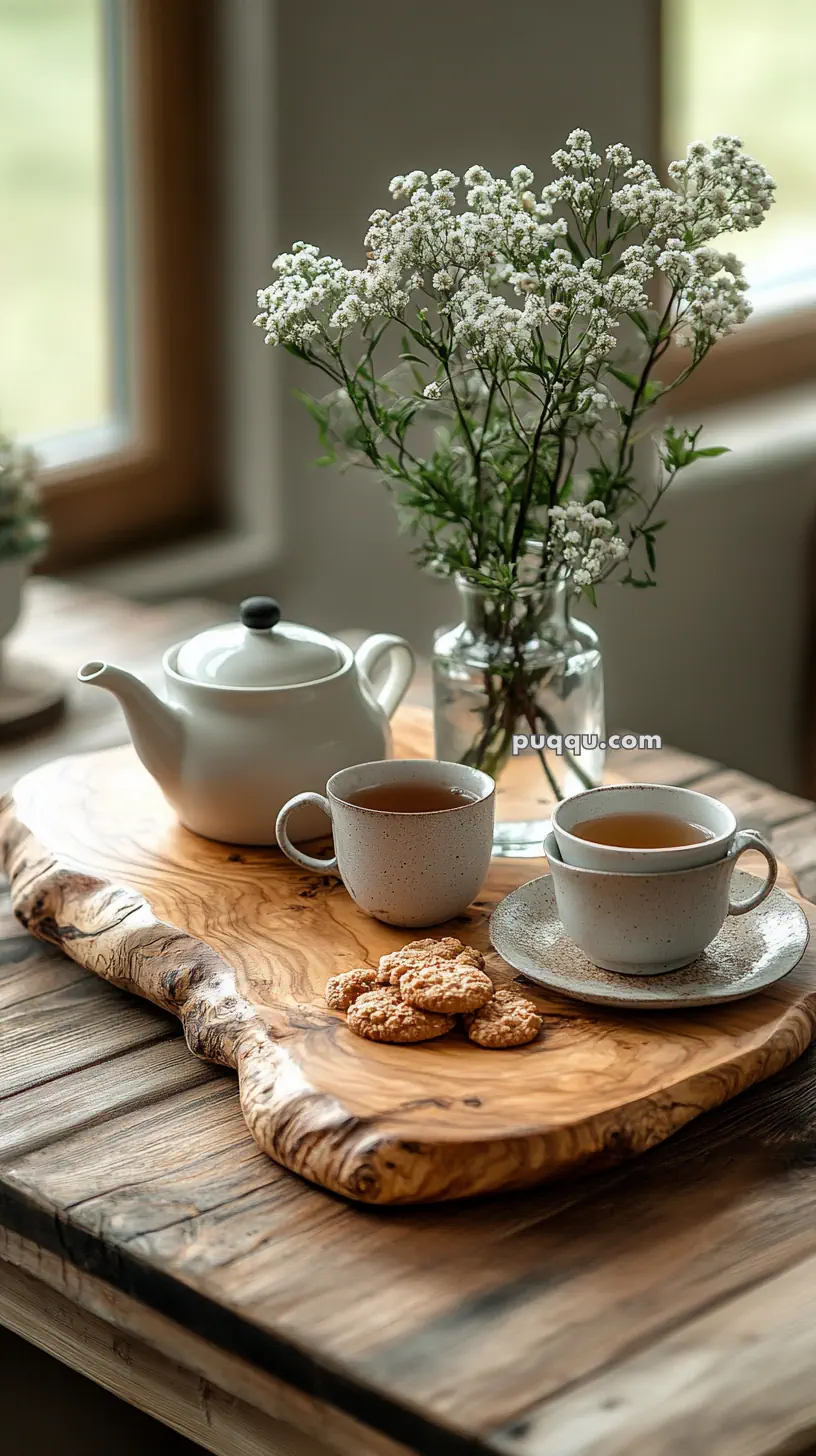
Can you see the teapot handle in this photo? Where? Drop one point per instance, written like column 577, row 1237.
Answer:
column 400, row 671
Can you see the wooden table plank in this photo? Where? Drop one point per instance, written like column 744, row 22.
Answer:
column 616, row 1269
column 795, row 843
column 756, row 805
column 729, row 1382
column 99, row 1091
column 45, row 1035
column 664, row 766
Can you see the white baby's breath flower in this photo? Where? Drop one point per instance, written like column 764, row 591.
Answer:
column 581, row 537
column 522, row 179
column 618, row 156
column 516, row 298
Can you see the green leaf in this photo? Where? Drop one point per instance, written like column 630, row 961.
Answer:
column 711, row 450
column 318, row 411
column 589, row 593
column 650, row 551
column 641, row 323
column 629, row 380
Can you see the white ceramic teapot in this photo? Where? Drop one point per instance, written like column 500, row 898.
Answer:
column 254, row 712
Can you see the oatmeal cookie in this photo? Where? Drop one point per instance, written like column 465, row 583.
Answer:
column 447, row 986
column 422, row 953
column 507, row 1020
column 344, row 988
column 382, row 1015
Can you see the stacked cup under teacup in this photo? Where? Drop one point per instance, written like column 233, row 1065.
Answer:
column 647, row 910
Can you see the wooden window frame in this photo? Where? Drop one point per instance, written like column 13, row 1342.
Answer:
column 771, row 352
column 164, row 484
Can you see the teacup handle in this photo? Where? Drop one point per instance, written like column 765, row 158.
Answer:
column 306, row 861
column 749, row 839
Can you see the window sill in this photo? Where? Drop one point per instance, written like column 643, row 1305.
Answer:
column 777, row 430
column 195, row 566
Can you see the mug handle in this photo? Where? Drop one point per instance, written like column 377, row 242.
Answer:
column 749, row 839
column 306, row 861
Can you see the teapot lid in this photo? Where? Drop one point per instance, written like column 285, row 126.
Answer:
column 260, row 651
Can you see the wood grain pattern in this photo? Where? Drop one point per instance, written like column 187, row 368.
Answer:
column 715, row 1385
column 239, row 945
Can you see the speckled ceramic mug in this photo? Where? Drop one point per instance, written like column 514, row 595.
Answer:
column 409, row 869
column 647, row 924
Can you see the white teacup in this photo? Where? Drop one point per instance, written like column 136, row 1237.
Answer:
column 713, row 817
column 646, row 911
column 410, row 869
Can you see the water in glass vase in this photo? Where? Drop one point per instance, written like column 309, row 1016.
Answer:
column 514, row 667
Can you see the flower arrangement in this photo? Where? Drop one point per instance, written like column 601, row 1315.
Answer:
column 23, row 531
column 531, row 326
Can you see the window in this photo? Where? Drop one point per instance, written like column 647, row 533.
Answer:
column 53, row 246
column 107, row 184
column 746, row 66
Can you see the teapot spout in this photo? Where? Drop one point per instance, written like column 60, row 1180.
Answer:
column 155, row 727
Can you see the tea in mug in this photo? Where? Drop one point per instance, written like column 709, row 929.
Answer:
column 411, row 798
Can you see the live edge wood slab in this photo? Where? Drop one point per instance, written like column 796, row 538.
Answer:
column 238, row 943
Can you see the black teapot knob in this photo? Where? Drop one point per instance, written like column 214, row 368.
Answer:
column 260, row 613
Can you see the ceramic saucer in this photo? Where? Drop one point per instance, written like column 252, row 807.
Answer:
column 750, row 953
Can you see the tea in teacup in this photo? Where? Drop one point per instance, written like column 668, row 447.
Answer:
column 642, row 827
column 641, row 831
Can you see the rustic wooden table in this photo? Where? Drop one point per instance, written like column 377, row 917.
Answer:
column 665, row 1307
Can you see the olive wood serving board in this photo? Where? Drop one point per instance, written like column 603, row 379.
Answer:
column 239, row 943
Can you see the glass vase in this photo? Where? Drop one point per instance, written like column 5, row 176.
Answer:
column 515, row 668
